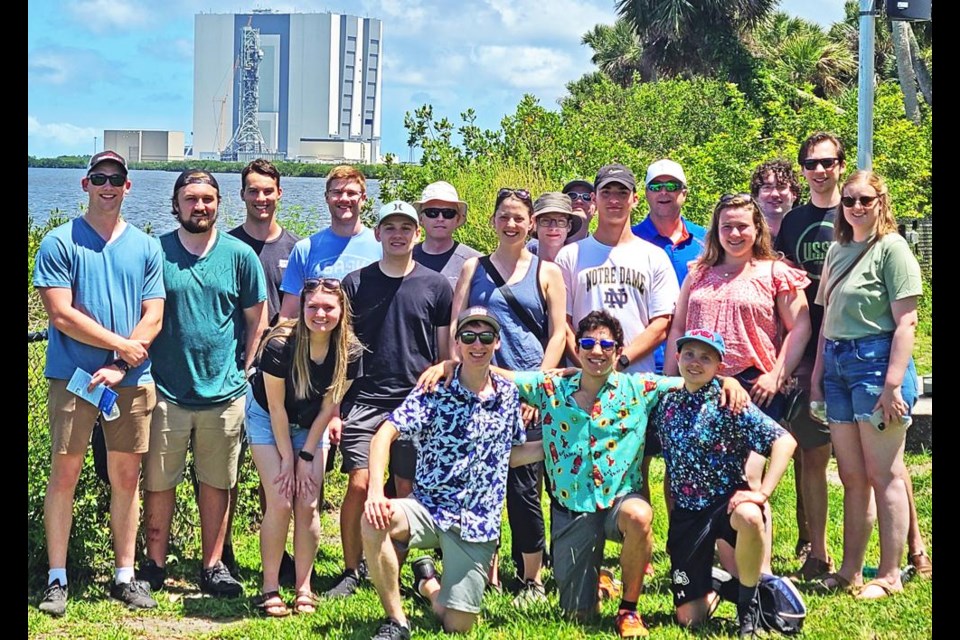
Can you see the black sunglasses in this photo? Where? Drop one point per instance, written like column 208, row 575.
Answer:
column 865, row 201
column 433, row 212
column 469, row 337
column 812, row 163
column 312, row 284
column 574, row 196
column 506, row 192
column 587, row 344
column 100, row 179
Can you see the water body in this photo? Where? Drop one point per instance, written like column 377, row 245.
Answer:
column 148, row 203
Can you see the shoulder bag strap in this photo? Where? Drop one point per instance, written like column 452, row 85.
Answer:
column 522, row 312
column 846, row 272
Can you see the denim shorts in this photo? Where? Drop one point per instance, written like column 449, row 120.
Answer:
column 259, row 430
column 853, row 375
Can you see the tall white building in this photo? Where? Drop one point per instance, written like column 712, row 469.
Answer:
column 319, row 89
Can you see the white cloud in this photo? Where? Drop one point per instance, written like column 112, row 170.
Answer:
column 524, row 68
column 49, row 67
column 58, row 135
column 104, row 16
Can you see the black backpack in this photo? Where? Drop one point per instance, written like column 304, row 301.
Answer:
column 781, row 606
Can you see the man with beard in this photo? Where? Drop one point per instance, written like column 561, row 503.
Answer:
column 215, row 314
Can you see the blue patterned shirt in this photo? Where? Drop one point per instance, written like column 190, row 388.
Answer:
column 705, row 446
column 463, row 452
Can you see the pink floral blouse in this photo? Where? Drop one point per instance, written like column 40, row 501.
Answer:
column 743, row 310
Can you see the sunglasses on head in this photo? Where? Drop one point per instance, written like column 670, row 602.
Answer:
column 574, row 196
column 812, row 163
column 312, row 284
column 100, row 179
column 670, row 186
column 469, row 337
column 587, row 344
column 433, row 212
column 520, row 194
column 865, row 201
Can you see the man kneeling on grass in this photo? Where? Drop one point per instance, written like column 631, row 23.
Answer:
column 464, row 434
column 705, row 448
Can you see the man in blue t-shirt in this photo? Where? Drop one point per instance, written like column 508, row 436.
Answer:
column 101, row 284
column 215, row 313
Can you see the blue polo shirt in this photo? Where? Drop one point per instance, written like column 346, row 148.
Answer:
column 682, row 253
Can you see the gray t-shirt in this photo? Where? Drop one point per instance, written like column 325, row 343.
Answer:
column 273, row 258
column 449, row 263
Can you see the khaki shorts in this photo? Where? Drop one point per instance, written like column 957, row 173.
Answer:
column 72, row 419
column 214, row 433
column 465, row 563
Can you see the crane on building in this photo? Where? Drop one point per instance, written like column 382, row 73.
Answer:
column 248, row 140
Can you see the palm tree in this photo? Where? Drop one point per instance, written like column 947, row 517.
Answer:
column 616, row 51
column 802, row 54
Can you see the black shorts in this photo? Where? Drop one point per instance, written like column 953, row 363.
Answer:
column 359, row 425
column 651, row 441
column 691, row 540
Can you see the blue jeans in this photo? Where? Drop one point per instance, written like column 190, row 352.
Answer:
column 853, row 375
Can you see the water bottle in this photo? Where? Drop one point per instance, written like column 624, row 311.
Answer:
column 818, row 411
column 906, row 574
column 869, row 573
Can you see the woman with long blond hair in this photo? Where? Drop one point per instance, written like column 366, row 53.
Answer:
column 864, row 371
column 305, row 367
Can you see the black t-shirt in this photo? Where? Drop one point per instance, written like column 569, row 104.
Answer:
column 397, row 319
column 276, row 360
column 273, row 258
column 805, row 235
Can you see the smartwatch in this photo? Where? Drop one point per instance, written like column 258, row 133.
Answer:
column 305, row 455
column 623, row 361
column 121, row 364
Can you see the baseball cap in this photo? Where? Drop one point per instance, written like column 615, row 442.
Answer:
column 397, row 208
column 711, row 338
column 577, row 183
column 443, row 191
column 556, row 202
column 615, row 173
column 107, row 156
column 477, row 314
column 665, row 168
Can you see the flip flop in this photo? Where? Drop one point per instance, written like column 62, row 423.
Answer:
column 305, row 603
column 271, row 604
column 832, row 583
column 886, row 589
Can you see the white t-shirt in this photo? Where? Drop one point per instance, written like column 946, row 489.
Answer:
column 633, row 281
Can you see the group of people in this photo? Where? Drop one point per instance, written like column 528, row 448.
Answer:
column 292, row 346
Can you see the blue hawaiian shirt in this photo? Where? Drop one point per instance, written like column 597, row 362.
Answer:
column 705, row 446
column 463, row 444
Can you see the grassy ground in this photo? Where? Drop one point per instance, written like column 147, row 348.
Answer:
column 183, row 613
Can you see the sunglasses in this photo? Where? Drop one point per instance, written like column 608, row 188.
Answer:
column 561, row 223
column 812, row 163
column 587, row 344
column 669, row 186
column 312, row 284
column 865, row 201
column 506, row 192
column 100, row 179
column 433, row 212
column 469, row 337
column 574, row 196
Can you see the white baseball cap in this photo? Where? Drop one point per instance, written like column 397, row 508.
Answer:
column 665, row 168
column 397, row 208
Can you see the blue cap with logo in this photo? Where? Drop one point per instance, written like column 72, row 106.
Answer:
column 711, row 338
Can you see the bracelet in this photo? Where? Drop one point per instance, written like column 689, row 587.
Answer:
column 121, row 364
column 305, row 455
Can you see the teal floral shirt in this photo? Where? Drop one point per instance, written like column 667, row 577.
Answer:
column 593, row 457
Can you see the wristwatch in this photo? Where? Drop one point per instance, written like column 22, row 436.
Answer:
column 305, row 455
column 121, row 364
column 623, row 361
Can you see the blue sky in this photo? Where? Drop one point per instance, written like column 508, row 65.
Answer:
column 128, row 64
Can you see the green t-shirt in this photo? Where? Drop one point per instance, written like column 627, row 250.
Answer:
column 198, row 356
column 592, row 458
column 860, row 304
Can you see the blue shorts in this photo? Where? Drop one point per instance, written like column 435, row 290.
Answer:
column 259, row 431
column 853, row 376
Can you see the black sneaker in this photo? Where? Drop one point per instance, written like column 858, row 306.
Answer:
column 288, row 570
column 153, row 575
column 390, row 629
column 135, row 594
column 217, row 581
column 423, row 570
column 362, row 570
column 54, row 599
column 227, row 558
column 345, row 586
column 749, row 616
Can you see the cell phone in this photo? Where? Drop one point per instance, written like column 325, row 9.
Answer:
column 876, row 419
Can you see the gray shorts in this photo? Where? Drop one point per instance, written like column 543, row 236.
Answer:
column 465, row 563
column 578, row 541
column 809, row 433
column 361, row 422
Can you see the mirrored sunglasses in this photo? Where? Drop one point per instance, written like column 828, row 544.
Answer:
column 587, row 344
column 469, row 337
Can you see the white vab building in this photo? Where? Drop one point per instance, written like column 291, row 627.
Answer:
column 319, row 84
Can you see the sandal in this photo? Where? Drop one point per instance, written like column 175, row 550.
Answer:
column 812, row 569
column 832, row 583
column 271, row 604
column 922, row 563
column 305, row 603
column 886, row 588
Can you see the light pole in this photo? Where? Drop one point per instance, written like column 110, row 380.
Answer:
column 865, row 94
